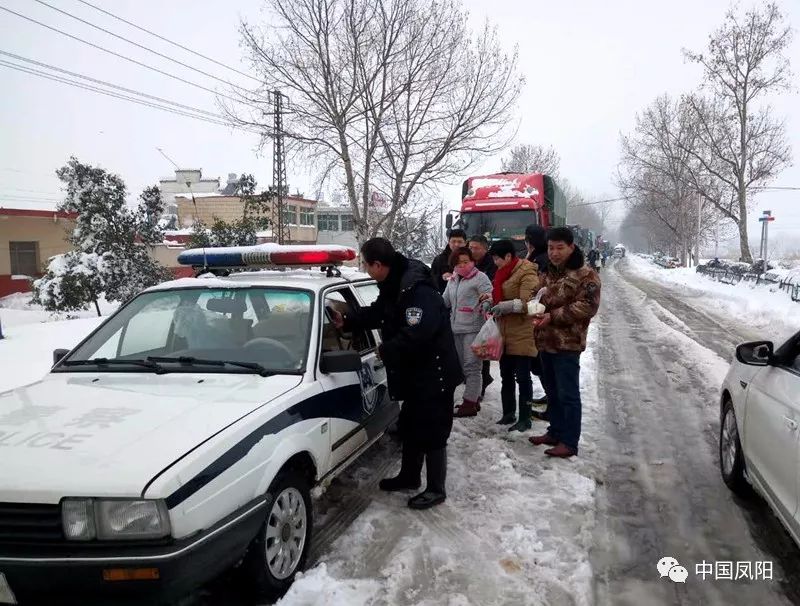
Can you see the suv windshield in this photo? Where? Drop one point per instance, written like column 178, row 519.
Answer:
column 264, row 330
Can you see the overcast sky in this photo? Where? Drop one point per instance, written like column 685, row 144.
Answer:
column 590, row 67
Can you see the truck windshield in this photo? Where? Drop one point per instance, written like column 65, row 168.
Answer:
column 498, row 225
column 263, row 330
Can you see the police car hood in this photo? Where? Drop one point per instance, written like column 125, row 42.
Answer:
column 109, row 434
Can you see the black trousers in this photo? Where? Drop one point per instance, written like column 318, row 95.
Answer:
column 425, row 422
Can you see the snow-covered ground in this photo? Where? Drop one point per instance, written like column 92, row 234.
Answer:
column 762, row 307
column 31, row 334
column 517, row 527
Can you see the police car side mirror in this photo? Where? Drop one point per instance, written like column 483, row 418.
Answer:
column 59, row 355
column 340, row 361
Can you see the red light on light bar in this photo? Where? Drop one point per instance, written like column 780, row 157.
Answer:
column 311, row 257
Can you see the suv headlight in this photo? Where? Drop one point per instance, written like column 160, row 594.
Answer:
column 114, row 519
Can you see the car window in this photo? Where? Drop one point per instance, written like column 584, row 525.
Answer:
column 368, row 293
column 267, row 326
column 333, row 339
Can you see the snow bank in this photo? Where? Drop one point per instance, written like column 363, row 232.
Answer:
column 317, row 584
column 27, row 350
column 763, row 307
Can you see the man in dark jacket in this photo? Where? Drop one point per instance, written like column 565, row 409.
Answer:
column 441, row 270
column 479, row 247
column 536, row 243
column 421, row 363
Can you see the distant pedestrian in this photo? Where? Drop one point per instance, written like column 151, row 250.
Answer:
column 592, row 258
column 421, row 363
column 462, row 297
column 571, row 301
column 479, row 246
column 514, row 285
column 441, row 270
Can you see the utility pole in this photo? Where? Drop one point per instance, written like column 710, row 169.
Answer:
column 765, row 220
column 280, row 228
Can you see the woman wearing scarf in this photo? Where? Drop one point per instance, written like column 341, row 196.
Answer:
column 462, row 297
column 515, row 283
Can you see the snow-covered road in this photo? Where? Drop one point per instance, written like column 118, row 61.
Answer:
column 662, row 361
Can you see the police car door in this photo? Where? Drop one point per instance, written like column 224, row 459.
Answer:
column 352, row 395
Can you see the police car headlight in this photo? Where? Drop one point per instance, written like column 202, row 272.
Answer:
column 114, row 519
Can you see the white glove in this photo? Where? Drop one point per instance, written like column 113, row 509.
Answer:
column 507, row 307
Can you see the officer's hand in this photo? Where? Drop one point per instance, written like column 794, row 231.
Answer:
column 446, row 277
column 541, row 320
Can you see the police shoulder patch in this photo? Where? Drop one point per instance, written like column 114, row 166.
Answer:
column 413, row 316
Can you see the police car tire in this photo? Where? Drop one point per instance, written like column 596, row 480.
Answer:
column 255, row 565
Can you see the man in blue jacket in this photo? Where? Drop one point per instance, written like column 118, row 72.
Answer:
column 421, row 364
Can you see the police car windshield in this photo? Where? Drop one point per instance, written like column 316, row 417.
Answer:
column 256, row 329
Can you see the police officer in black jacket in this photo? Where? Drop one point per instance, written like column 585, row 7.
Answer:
column 421, row 363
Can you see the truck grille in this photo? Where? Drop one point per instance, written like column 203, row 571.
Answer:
column 22, row 523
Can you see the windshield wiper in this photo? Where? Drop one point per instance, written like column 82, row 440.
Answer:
column 148, row 363
column 189, row 360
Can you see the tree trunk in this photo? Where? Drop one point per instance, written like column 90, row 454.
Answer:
column 97, row 307
column 744, row 245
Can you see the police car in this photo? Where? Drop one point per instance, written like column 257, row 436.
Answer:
column 184, row 434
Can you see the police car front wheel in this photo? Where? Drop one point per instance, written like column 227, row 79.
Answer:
column 281, row 547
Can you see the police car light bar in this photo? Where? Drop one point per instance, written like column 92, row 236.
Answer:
column 266, row 255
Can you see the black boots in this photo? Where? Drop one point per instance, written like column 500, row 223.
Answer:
column 436, row 465
column 524, row 423
column 507, row 419
column 410, row 470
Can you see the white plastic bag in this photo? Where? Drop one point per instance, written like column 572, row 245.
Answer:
column 488, row 344
column 534, row 306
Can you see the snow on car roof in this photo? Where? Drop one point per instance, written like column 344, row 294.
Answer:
column 312, row 278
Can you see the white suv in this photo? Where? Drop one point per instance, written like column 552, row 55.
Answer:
column 185, row 433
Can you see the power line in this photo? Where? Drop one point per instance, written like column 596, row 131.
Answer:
column 189, row 50
column 110, row 93
column 143, row 47
column 595, row 202
column 112, row 85
column 110, row 52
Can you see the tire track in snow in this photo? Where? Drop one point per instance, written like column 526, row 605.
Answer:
column 663, row 495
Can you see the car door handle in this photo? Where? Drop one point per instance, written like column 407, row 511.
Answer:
column 790, row 423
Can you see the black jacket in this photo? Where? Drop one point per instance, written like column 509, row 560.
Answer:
column 487, row 266
column 418, row 350
column 441, row 265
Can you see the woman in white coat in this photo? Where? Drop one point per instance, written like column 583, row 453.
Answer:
column 461, row 296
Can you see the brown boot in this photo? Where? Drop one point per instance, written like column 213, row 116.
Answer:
column 543, row 439
column 562, row 451
column 467, row 409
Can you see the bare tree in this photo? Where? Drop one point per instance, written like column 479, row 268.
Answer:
column 387, row 96
column 740, row 145
column 532, row 159
column 655, row 174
